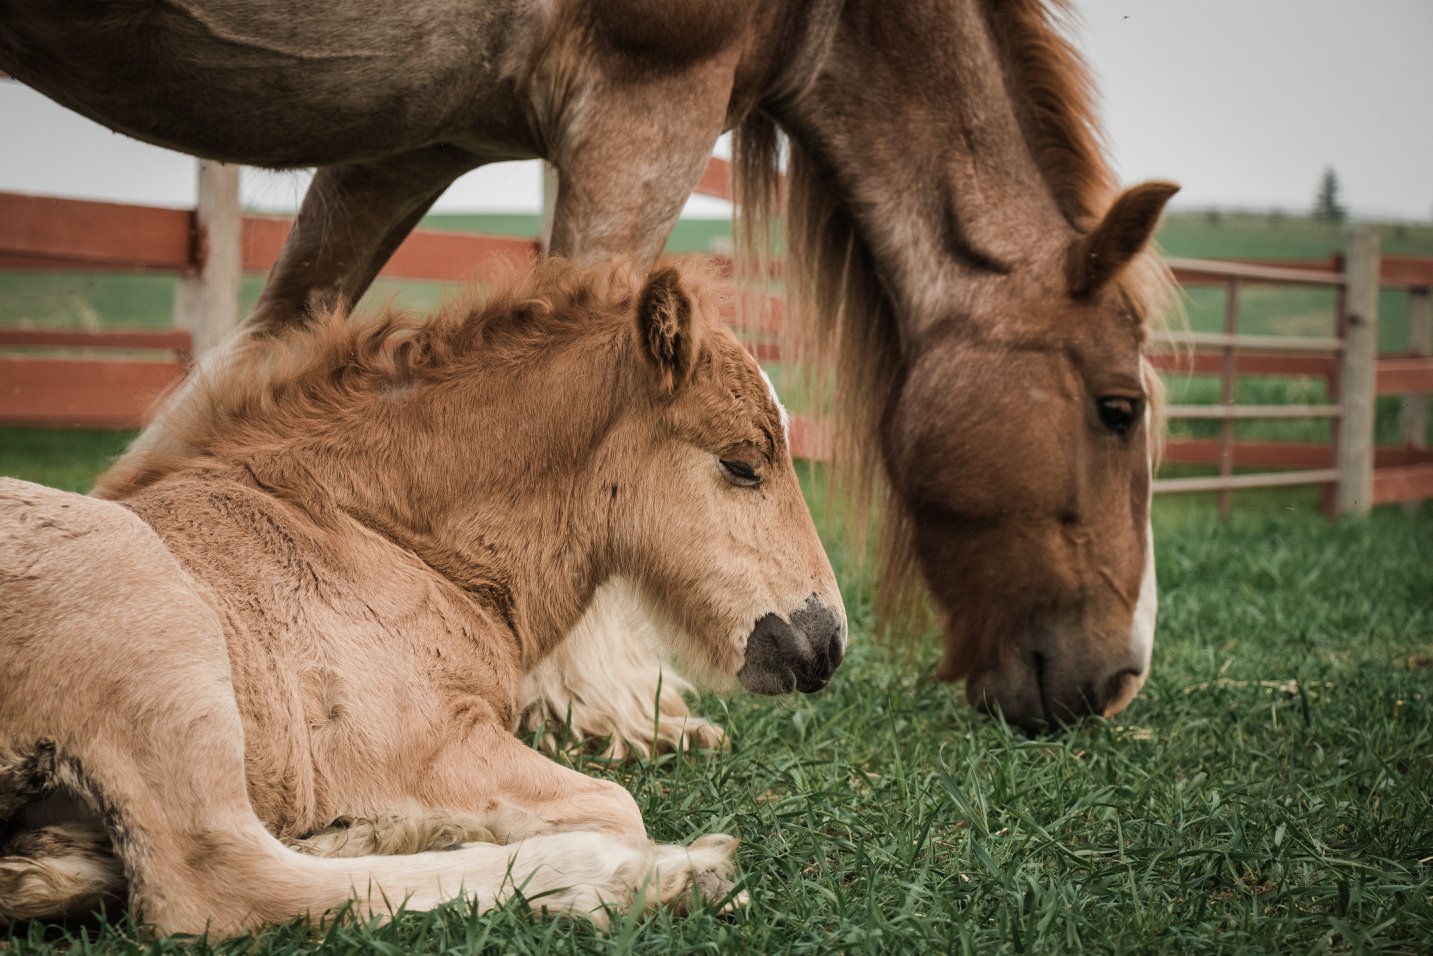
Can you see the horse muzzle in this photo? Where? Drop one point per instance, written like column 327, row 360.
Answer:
column 1036, row 693
column 797, row 652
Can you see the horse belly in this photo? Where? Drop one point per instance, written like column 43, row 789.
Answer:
column 272, row 83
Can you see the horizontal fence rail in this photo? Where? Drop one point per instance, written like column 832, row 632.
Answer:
column 110, row 378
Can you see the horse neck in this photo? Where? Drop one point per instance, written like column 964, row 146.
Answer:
column 911, row 120
column 480, row 478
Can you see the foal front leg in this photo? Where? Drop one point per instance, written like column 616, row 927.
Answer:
column 516, row 792
column 525, row 799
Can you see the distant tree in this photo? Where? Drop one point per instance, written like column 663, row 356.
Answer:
column 1328, row 206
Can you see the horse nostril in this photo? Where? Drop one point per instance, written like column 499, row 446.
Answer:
column 836, row 649
column 824, row 630
column 799, row 653
column 1115, row 687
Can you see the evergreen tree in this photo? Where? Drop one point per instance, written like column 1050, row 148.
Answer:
column 1328, row 207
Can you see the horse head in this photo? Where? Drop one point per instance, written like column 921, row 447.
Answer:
column 1022, row 449
column 711, row 523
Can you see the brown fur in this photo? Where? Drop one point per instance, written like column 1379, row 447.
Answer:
column 864, row 318
column 322, row 599
column 945, row 160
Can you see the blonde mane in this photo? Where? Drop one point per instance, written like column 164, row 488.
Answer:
column 843, row 333
column 265, row 384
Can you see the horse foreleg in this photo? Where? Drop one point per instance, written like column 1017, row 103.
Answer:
column 352, row 219
column 629, row 152
column 606, row 686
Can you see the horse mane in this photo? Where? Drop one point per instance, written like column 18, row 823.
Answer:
column 842, row 331
column 265, row 385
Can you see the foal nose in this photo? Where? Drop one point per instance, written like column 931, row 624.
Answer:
column 798, row 652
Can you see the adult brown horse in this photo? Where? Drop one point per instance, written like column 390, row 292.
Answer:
column 982, row 288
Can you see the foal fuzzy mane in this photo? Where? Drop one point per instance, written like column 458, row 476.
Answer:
column 264, row 385
column 844, row 330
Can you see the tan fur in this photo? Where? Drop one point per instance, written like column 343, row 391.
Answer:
column 322, row 600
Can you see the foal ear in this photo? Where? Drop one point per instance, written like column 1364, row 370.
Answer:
column 1097, row 258
column 667, row 329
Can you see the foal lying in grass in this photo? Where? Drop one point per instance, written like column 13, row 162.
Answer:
column 321, row 600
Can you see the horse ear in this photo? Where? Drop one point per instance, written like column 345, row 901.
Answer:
column 666, row 327
column 1098, row 257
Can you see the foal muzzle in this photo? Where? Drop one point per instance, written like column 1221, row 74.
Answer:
column 797, row 652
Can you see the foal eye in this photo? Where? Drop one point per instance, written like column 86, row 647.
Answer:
column 740, row 472
column 1119, row 413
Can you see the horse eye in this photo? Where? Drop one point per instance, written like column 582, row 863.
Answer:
column 740, row 472
column 1119, row 413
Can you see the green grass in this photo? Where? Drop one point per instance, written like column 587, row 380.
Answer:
column 1270, row 790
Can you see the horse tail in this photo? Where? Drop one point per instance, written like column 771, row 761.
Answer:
column 58, row 872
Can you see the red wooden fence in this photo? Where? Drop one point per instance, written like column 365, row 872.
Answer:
column 47, row 382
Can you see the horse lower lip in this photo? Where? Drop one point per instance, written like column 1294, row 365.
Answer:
column 810, row 685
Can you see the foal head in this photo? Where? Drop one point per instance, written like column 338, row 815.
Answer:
column 1022, row 448
column 709, row 515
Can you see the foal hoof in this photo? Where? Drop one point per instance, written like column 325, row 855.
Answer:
column 699, row 875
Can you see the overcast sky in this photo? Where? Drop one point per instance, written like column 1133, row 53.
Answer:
column 1243, row 101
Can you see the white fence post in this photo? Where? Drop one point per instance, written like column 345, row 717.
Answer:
column 1356, row 372
column 549, row 205
column 207, row 301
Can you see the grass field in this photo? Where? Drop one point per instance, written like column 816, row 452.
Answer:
column 1271, row 790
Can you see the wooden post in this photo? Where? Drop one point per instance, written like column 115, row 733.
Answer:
column 1227, row 369
column 1414, row 419
column 1354, row 452
column 1420, row 342
column 550, row 182
column 206, row 303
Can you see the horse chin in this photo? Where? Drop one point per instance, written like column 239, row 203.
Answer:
column 1045, row 690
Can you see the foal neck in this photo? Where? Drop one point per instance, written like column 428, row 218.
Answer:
column 481, row 476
